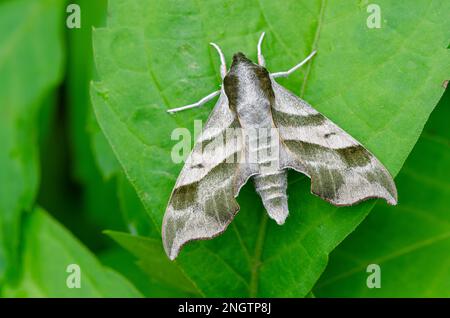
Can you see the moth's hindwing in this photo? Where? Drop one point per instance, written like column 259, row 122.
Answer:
column 203, row 201
column 342, row 171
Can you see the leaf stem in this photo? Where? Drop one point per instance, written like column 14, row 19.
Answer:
column 257, row 256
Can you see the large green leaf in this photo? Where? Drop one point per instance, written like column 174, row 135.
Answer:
column 31, row 58
column 48, row 250
column 378, row 84
column 410, row 242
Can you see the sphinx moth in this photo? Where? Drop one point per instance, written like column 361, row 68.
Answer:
column 290, row 133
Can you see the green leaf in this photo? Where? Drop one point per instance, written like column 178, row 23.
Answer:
column 31, row 59
column 154, row 261
column 48, row 250
column 134, row 214
column 410, row 242
column 378, row 84
column 125, row 263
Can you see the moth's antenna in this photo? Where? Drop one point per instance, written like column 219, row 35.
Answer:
column 296, row 67
column 201, row 102
column 261, row 60
column 223, row 64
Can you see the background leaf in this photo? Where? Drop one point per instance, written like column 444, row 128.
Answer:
column 29, row 31
column 155, row 55
column 47, row 251
column 410, row 242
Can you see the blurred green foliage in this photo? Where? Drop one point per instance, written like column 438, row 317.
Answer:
column 67, row 198
column 31, row 66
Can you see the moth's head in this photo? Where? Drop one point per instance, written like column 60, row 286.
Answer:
column 245, row 80
column 239, row 59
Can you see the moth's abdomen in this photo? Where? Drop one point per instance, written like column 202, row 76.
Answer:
column 272, row 189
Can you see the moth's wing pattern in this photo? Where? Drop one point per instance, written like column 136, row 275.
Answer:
column 203, row 201
column 342, row 171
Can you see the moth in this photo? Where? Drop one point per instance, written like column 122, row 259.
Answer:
column 203, row 201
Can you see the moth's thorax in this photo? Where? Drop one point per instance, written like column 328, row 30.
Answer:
column 249, row 91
